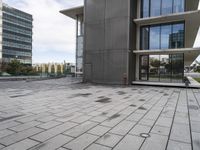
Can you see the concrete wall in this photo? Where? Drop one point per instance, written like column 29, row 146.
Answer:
column 108, row 26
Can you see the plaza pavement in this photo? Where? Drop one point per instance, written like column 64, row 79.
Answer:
column 66, row 115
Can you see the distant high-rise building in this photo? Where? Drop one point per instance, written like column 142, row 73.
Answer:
column 15, row 35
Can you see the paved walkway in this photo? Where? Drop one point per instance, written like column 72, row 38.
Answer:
column 62, row 114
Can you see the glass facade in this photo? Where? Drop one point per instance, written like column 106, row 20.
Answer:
column 79, row 47
column 17, row 35
column 164, row 36
column 162, row 68
column 151, row 8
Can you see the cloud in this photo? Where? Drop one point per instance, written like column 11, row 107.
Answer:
column 53, row 33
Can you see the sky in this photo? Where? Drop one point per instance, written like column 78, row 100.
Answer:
column 53, row 33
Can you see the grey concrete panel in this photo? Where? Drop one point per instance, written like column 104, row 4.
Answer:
column 191, row 5
column 115, row 65
column 94, row 10
column 117, row 8
column 116, row 33
column 95, row 37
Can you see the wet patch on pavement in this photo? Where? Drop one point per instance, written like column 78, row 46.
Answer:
column 114, row 116
column 104, row 100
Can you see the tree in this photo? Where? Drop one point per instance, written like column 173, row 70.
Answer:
column 14, row 67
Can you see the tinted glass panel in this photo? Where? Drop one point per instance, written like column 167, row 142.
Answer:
column 166, row 31
column 154, row 38
column 177, row 67
column 179, row 6
column 145, row 8
column 145, row 38
column 144, row 64
column 165, row 68
column 167, row 7
column 177, row 36
column 155, row 7
column 154, row 64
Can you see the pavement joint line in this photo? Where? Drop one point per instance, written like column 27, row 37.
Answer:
column 177, row 100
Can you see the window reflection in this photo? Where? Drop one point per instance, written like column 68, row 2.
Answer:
column 145, row 38
column 155, row 7
column 154, row 63
column 162, row 68
column 161, row 7
column 166, row 31
column 167, row 7
column 144, row 65
column 154, row 37
column 179, row 6
column 165, row 36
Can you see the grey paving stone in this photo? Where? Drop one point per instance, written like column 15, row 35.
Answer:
column 49, row 124
column 173, row 145
column 181, row 133
column 147, row 122
column 22, row 145
column 53, row 131
column 53, row 143
column 130, row 143
column 196, row 140
column 135, row 117
column 109, row 140
column 138, row 129
column 81, row 142
column 8, row 125
column 5, row 132
column 81, row 119
column 25, row 126
column 97, row 147
column 164, row 121
column 13, row 138
column 80, row 129
column 195, row 126
column 155, row 142
column 123, row 127
column 112, row 121
column 99, row 130
column 160, row 130
column 32, row 118
column 46, row 119
column 99, row 118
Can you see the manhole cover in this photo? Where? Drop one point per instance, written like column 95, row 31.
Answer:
column 145, row 135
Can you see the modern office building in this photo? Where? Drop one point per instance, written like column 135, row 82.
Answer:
column 78, row 16
column 141, row 40
column 16, row 35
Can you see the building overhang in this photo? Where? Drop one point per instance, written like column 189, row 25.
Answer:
column 73, row 12
column 190, row 54
column 168, row 51
column 169, row 18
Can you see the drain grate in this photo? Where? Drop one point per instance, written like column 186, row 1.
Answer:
column 145, row 135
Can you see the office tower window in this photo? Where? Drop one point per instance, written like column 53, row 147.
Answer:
column 151, row 8
column 163, row 36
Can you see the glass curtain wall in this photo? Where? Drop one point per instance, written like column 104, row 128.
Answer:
column 162, row 68
column 164, row 36
column 151, row 8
